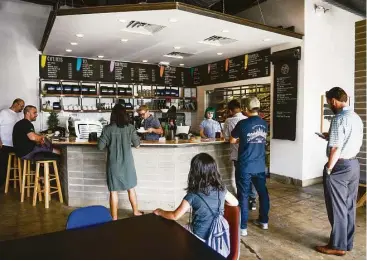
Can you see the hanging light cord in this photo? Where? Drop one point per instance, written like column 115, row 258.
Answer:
column 261, row 12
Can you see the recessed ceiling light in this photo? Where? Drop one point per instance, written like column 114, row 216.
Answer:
column 79, row 35
column 225, row 31
column 69, row 50
column 100, row 56
column 219, row 53
column 177, row 47
column 267, row 40
column 164, row 63
column 122, row 20
column 173, row 20
column 145, row 61
column 124, row 40
column 181, row 64
column 73, row 43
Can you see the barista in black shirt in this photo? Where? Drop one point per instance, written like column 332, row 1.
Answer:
column 26, row 142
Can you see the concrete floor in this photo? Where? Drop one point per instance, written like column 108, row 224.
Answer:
column 298, row 222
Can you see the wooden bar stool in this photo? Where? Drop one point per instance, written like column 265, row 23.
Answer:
column 27, row 179
column 47, row 178
column 16, row 170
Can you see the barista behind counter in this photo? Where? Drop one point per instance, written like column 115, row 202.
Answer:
column 151, row 124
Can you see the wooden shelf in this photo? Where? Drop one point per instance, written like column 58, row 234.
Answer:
column 87, row 96
column 163, row 97
column 176, row 111
column 84, row 111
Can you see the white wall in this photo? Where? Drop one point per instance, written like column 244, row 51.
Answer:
column 278, row 13
column 329, row 62
column 21, row 29
column 286, row 157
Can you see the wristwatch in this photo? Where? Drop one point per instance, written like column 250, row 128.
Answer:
column 328, row 171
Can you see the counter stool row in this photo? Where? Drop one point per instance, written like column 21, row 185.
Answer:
column 29, row 179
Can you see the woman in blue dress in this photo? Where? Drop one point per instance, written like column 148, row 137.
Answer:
column 210, row 126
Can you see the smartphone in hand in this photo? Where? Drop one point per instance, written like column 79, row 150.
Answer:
column 320, row 135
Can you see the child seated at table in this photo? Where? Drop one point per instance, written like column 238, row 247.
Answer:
column 204, row 181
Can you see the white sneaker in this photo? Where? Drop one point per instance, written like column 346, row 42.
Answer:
column 264, row 226
column 244, row 232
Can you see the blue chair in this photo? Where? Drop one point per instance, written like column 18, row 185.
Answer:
column 88, row 216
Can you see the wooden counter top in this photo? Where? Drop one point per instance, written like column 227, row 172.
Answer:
column 146, row 143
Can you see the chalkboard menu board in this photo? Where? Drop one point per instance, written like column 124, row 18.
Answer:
column 285, row 99
column 243, row 67
column 82, row 69
column 199, row 75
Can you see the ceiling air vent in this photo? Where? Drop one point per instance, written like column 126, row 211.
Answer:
column 142, row 28
column 217, row 40
column 178, row 55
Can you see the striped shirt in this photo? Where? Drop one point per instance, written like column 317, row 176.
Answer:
column 346, row 132
column 229, row 125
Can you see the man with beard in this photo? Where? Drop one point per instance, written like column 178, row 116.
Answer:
column 8, row 117
column 341, row 173
column 27, row 143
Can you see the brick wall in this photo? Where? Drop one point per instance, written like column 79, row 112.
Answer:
column 360, row 85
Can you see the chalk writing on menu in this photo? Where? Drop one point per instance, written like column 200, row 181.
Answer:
column 51, row 66
column 88, row 69
column 258, row 64
column 154, row 75
column 170, row 76
column 143, row 75
column 216, row 72
column 119, row 71
column 101, row 71
column 248, row 66
column 285, row 99
column 235, row 68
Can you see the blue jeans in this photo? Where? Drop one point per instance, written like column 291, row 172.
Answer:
column 243, row 183
column 252, row 195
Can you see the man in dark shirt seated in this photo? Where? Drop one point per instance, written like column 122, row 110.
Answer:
column 151, row 124
column 26, row 142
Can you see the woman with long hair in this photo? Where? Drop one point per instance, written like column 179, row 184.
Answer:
column 121, row 175
column 204, row 183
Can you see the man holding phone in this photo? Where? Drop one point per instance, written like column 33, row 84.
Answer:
column 341, row 172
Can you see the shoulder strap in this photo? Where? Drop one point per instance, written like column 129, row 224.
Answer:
column 206, row 204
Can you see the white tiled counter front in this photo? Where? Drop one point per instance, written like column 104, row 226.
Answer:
column 162, row 171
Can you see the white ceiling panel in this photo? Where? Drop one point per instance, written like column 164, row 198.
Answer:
column 103, row 33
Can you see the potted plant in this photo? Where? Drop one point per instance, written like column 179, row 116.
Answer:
column 53, row 121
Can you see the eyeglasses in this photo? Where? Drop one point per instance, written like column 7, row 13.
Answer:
column 142, row 113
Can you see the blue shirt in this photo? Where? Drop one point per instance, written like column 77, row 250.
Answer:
column 252, row 133
column 346, row 133
column 210, row 127
column 154, row 123
column 202, row 217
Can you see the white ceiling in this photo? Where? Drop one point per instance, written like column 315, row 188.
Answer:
column 103, row 34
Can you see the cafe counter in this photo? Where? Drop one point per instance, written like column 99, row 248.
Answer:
column 162, row 170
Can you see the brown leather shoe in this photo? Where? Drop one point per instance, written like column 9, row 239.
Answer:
column 330, row 251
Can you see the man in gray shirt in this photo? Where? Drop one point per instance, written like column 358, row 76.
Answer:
column 341, row 173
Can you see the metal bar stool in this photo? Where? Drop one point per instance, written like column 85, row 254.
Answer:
column 47, row 178
column 16, row 170
column 27, row 179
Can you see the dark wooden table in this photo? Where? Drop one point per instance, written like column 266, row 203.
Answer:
column 144, row 237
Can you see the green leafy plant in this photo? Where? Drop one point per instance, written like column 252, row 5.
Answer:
column 53, row 121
